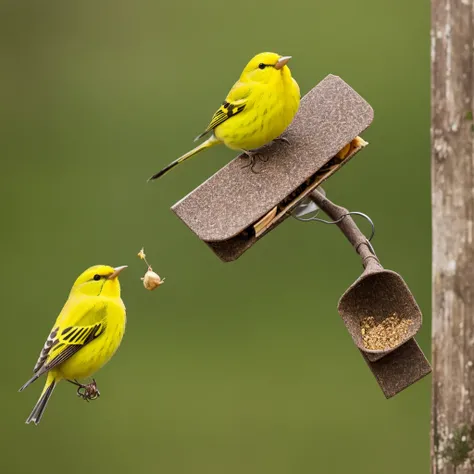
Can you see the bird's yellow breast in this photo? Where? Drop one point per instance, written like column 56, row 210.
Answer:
column 98, row 352
column 269, row 111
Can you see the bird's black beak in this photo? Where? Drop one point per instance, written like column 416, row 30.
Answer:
column 282, row 61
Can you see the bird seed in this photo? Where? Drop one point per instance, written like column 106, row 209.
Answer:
column 385, row 334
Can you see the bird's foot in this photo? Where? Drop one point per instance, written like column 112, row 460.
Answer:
column 254, row 156
column 88, row 391
column 282, row 139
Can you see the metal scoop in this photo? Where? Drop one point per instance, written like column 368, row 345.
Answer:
column 378, row 293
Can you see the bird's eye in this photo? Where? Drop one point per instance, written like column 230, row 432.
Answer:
column 96, row 277
column 261, row 66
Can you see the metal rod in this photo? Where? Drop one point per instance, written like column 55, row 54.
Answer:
column 346, row 224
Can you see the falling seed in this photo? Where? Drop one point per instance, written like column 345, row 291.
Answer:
column 385, row 334
column 152, row 280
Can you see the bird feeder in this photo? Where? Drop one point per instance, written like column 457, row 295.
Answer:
column 237, row 206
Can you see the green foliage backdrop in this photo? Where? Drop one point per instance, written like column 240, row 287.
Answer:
column 242, row 367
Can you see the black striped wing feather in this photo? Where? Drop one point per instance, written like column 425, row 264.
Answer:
column 234, row 104
column 63, row 342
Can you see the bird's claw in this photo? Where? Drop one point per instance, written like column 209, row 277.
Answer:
column 253, row 157
column 282, row 139
column 88, row 392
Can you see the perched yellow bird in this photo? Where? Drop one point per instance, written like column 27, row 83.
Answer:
column 257, row 110
column 85, row 336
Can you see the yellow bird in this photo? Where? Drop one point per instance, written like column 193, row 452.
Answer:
column 257, row 110
column 84, row 337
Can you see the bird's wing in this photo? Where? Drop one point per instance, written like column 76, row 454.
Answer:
column 234, row 103
column 80, row 322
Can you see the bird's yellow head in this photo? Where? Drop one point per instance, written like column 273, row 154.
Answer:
column 99, row 280
column 266, row 67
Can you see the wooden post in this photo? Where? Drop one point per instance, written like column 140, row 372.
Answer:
column 452, row 162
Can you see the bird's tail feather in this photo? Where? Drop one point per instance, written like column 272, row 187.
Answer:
column 211, row 141
column 38, row 410
column 29, row 382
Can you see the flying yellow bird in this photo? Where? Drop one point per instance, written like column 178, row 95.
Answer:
column 257, row 110
column 84, row 337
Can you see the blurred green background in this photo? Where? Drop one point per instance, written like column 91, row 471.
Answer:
column 227, row 368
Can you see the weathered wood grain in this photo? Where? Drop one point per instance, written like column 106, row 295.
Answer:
column 452, row 38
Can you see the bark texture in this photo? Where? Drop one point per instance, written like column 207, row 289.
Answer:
column 452, row 132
